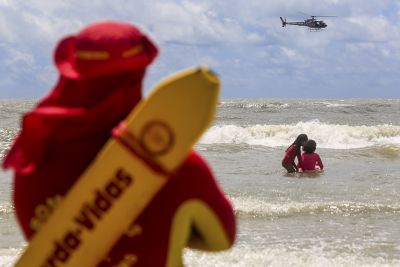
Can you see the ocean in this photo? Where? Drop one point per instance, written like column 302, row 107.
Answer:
column 349, row 215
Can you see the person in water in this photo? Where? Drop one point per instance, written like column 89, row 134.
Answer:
column 293, row 151
column 101, row 72
column 311, row 161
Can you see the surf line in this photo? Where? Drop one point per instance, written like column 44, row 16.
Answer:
column 90, row 213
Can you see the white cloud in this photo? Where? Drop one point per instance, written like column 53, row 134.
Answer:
column 290, row 53
column 7, row 3
column 22, row 57
column 6, row 34
column 374, row 29
column 195, row 22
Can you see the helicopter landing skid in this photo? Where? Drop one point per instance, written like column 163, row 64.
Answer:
column 315, row 29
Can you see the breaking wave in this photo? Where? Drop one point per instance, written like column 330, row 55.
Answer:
column 248, row 206
column 6, row 208
column 333, row 136
column 6, row 138
column 255, row 105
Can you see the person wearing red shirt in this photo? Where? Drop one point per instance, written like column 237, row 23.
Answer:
column 311, row 161
column 292, row 152
column 101, row 72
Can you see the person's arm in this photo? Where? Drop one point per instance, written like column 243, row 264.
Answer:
column 213, row 220
column 298, row 167
column 300, row 161
column 205, row 220
column 319, row 162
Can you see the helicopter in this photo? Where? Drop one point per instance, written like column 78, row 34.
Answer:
column 311, row 23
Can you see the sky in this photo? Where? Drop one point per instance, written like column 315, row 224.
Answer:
column 356, row 56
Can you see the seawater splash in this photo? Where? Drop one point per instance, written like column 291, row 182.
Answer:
column 320, row 255
column 8, row 256
column 6, row 208
column 253, row 207
column 334, row 136
column 258, row 105
column 6, row 138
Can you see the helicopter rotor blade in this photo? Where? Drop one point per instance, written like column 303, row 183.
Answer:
column 314, row 16
column 324, row 16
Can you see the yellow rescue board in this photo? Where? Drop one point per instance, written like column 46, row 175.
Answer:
column 127, row 173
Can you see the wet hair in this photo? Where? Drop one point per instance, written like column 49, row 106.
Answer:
column 310, row 147
column 301, row 138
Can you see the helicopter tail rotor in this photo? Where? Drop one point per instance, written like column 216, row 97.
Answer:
column 283, row 22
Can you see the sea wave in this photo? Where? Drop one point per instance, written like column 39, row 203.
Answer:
column 387, row 151
column 336, row 105
column 359, row 106
column 258, row 105
column 6, row 138
column 334, row 136
column 248, row 206
column 321, row 254
column 8, row 256
column 6, row 209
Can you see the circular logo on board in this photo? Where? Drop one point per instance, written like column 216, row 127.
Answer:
column 156, row 138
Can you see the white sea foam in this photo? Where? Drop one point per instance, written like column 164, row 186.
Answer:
column 254, row 207
column 6, row 138
column 6, row 208
column 8, row 256
column 255, row 105
column 336, row 105
column 319, row 255
column 334, row 136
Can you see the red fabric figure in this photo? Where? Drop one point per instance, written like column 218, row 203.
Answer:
column 292, row 152
column 101, row 72
column 310, row 161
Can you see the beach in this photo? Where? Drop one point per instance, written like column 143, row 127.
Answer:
column 349, row 215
